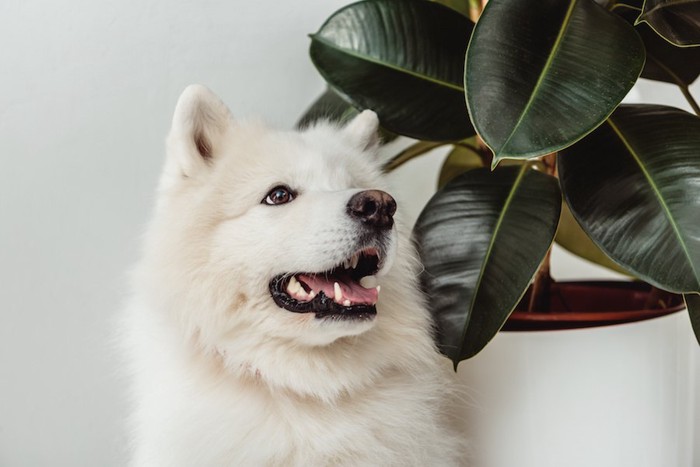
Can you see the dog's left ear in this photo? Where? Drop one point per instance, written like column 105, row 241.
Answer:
column 364, row 129
column 198, row 131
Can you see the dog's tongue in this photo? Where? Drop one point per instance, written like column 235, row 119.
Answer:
column 349, row 289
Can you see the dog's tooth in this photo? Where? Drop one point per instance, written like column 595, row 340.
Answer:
column 379, row 288
column 346, row 264
column 368, row 282
column 354, row 260
column 338, row 294
column 346, row 303
column 312, row 294
column 293, row 285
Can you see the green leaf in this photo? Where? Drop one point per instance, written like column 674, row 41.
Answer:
column 665, row 62
column 541, row 74
column 404, row 59
column 677, row 21
column 461, row 159
column 329, row 106
column 630, row 4
column 333, row 107
column 634, row 187
column 481, row 240
column 461, row 6
column 692, row 302
column 573, row 238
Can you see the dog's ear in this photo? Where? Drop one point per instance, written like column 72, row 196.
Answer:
column 199, row 127
column 364, row 130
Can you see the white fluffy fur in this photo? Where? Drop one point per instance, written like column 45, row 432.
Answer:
column 221, row 375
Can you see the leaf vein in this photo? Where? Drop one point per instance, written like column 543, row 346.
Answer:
column 545, row 70
column 659, row 196
column 389, row 65
column 501, row 216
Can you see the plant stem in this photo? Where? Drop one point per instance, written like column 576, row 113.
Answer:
column 467, row 146
column 540, row 295
column 475, row 8
column 411, row 152
column 679, row 82
column 690, row 99
column 420, row 148
column 483, row 151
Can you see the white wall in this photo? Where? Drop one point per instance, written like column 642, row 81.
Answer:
column 87, row 90
column 86, row 93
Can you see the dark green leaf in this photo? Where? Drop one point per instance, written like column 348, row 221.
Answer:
column 329, row 106
column 665, row 62
column 692, row 302
column 677, row 21
column 634, row 186
column 404, row 59
column 541, row 74
column 631, row 4
column 461, row 6
column 335, row 108
column 461, row 159
column 573, row 238
column 481, row 240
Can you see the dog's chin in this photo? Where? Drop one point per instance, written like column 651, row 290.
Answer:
column 345, row 294
column 322, row 332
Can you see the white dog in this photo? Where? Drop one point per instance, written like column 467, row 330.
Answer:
column 276, row 317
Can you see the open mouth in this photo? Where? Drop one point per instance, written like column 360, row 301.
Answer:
column 347, row 291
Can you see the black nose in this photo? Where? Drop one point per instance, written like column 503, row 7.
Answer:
column 374, row 208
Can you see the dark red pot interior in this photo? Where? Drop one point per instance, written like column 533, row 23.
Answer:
column 594, row 303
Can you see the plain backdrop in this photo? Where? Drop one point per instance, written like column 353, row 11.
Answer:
column 87, row 90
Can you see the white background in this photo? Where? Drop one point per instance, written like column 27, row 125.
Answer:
column 86, row 94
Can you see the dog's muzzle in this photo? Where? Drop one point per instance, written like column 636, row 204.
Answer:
column 348, row 290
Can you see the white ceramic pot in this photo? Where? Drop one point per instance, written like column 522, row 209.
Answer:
column 618, row 396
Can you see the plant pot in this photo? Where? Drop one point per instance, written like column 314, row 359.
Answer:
column 587, row 304
column 588, row 394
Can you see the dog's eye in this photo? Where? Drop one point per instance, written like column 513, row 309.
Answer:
column 279, row 195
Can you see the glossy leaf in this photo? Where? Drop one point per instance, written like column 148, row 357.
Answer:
column 541, row 74
column 634, row 186
column 461, row 159
column 574, row 239
column 481, row 239
column 677, row 21
column 665, row 61
column 404, row 59
column 692, row 302
column 329, row 106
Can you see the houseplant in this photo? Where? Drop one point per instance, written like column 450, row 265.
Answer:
column 529, row 99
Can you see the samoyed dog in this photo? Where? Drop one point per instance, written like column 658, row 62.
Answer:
column 276, row 317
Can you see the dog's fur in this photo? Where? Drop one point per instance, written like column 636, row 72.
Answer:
column 222, row 376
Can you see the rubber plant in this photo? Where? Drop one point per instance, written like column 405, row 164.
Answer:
column 529, row 98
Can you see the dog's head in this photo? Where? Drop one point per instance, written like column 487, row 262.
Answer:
column 264, row 235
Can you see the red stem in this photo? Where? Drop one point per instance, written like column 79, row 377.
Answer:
column 540, row 295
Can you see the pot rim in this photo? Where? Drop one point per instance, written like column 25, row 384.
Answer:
column 561, row 320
